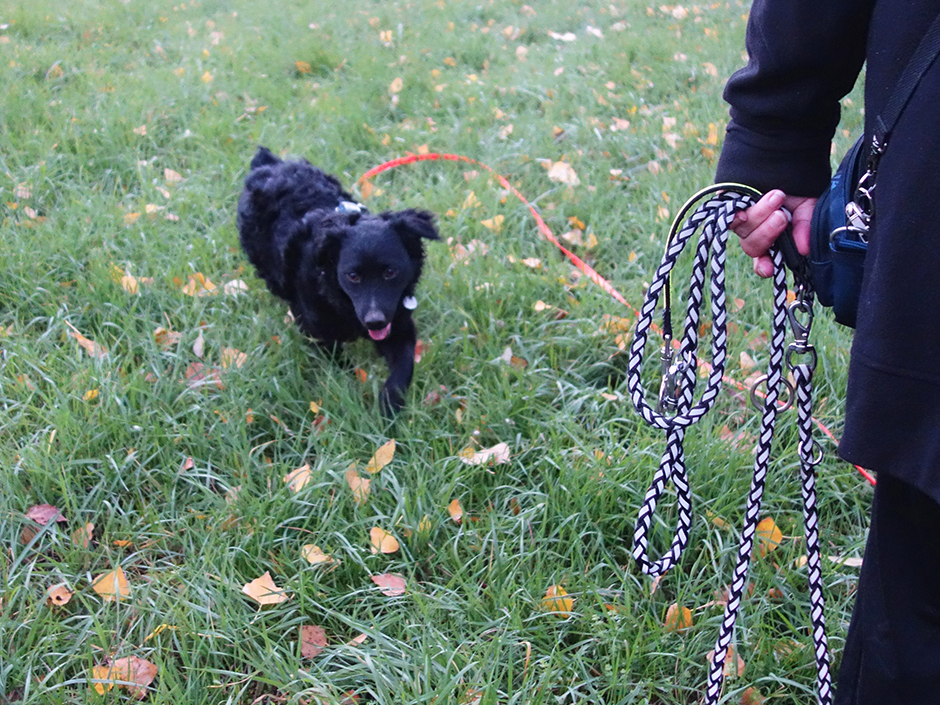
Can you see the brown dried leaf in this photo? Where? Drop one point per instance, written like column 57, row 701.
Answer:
column 677, row 618
column 58, row 595
column 263, row 590
column 130, row 670
column 769, row 535
column 44, row 513
column 563, row 173
column 81, row 538
column 312, row 641
column 91, row 347
column 313, row 554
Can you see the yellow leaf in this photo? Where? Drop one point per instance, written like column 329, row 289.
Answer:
column 58, row 595
column 712, row 138
column 556, row 600
column 198, row 285
column 395, row 86
column 263, row 590
column 166, row 338
column 132, row 673
column 130, row 218
column 358, row 485
column 207, row 77
column 498, row 454
column 112, row 586
column 232, row 357
column 313, row 554
column 314, row 407
column 81, row 537
column 450, row 61
column 769, row 536
column 383, row 456
column 299, row 478
column 677, row 618
column 172, row 177
column 495, row 223
column 455, row 511
column 734, row 664
column 382, row 541
column 366, row 190
column 303, row 67
column 471, row 201
column 563, row 173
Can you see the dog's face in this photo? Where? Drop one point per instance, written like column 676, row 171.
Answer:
column 378, row 261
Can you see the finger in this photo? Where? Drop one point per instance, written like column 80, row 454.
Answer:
column 763, row 236
column 802, row 209
column 759, row 212
column 763, row 266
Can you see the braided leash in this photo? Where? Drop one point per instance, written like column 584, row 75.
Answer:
column 677, row 409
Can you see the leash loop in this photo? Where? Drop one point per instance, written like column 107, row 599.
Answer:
column 677, row 408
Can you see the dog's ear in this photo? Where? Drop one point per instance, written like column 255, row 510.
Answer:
column 413, row 223
column 264, row 157
column 327, row 235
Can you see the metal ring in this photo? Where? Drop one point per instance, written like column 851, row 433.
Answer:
column 757, row 400
column 817, row 455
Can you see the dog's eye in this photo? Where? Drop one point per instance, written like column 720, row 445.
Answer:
column 353, row 277
column 391, row 273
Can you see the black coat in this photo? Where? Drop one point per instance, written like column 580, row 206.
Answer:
column 804, row 56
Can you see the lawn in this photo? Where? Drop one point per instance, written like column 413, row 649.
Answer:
column 153, row 392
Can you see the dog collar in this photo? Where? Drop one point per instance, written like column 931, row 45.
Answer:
column 350, row 207
column 410, row 302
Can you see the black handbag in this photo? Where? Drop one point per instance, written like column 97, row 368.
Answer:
column 842, row 217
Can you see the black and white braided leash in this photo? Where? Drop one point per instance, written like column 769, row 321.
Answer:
column 678, row 409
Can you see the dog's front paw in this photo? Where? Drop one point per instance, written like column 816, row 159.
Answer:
column 391, row 401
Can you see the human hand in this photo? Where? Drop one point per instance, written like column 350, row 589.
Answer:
column 760, row 225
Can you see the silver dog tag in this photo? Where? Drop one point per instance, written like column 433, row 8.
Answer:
column 410, row 302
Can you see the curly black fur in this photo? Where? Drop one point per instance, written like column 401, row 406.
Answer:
column 344, row 274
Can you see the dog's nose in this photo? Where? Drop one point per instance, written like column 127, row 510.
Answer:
column 374, row 320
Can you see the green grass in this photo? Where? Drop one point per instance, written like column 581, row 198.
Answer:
column 210, row 80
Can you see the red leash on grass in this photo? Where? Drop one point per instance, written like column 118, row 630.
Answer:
column 579, row 263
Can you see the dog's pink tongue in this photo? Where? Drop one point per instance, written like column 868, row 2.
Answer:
column 380, row 334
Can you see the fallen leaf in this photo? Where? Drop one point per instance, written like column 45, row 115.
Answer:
column 498, row 454
column 383, row 456
column 312, row 554
column 395, row 86
column 299, row 478
column 81, row 538
column 198, row 375
column 232, row 357
column 566, row 37
column 556, row 600
column 58, row 595
column 199, row 347
column 677, row 618
column 132, row 673
column 131, row 218
column 752, row 696
column 44, row 513
column 848, row 562
column 358, row 485
column 455, row 511
column 198, row 285
column 769, row 536
column 360, row 639
column 495, row 223
column 390, row 584
column 361, row 374
column 312, row 641
column 263, row 590
column 234, row 287
column 563, row 173
column 166, row 338
column 91, row 347
column 112, row 586
column 382, row 541
column 734, row 665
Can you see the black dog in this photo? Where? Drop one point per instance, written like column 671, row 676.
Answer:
column 346, row 273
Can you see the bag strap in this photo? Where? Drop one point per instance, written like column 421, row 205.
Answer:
column 922, row 59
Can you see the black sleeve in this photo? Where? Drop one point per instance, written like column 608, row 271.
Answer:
column 803, row 57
